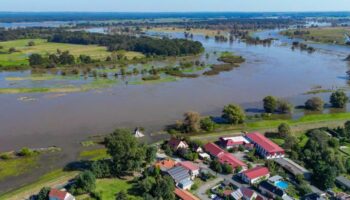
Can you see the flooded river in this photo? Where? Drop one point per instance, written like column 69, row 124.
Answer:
column 65, row 120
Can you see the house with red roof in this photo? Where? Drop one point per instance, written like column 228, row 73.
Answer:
column 213, row 149
column 55, row 194
column 254, row 175
column 233, row 142
column 176, row 144
column 265, row 147
column 223, row 156
column 165, row 164
column 227, row 158
column 193, row 168
column 184, row 195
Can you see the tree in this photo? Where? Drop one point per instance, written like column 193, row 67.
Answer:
column 347, row 129
column 31, row 43
column 233, row 114
column 43, row 194
column 270, row 104
column 191, row 123
column 216, row 166
column 290, row 142
column 126, row 152
column 338, row 99
column 12, row 50
column 151, row 152
column 207, row 124
column 36, row 59
column 101, row 168
column 324, row 176
column 121, row 196
column 85, row 182
column 284, row 107
column 315, row 104
column 284, row 130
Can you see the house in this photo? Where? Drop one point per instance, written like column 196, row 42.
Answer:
column 184, row 195
column 224, row 157
column 313, row 196
column 213, row 149
column 233, row 142
column 55, row 194
column 181, row 177
column 227, row 158
column 165, row 164
column 245, row 194
column 267, row 188
column 342, row 196
column 254, row 175
column 204, row 156
column 293, row 168
column 343, row 182
column 194, row 169
column 176, row 144
column 265, row 147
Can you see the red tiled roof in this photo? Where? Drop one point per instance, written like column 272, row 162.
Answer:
column 184, row 195
column 248, row 193
column 213, row 149
column 189, row 165
column 168, row 163
column 57, row 194
column 227, row 192
column 265, row 143
column 231, row 160
column 256, row 172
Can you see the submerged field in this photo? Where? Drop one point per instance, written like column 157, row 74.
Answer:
column 22, row 51
column 322, row 35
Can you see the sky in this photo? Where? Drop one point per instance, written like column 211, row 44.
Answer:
column 174, row 5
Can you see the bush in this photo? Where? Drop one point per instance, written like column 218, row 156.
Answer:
column 25, row 152
column 43, row 194
column 207, row 124
column 233, row 114
column 314, row 104
column 338, row 99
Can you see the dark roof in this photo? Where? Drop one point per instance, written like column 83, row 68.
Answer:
column 312, row 196
column 179, row 173
column 343, row 181
column 272, row 188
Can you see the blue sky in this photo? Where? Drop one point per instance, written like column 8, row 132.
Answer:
column 174, row 5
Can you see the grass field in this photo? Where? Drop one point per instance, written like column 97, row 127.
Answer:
column 17, row 166
column 43, row 47
column 51, row 179
column 95, row 154
column 322, row 35
column 109, row 187
column 299, row 125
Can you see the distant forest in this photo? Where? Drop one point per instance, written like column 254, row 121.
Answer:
column 146, row 45
column 98, row 16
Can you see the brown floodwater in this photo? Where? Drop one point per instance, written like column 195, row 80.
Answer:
column 66, row 120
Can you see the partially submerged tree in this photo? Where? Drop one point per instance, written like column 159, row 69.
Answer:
column 339, row 99
column 270, row 104
column 314, row 104
column 191, row 123
column 234, row 114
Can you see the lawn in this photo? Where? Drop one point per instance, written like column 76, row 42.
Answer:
column 17, row 166
column 109, row 187
column 43, row 47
